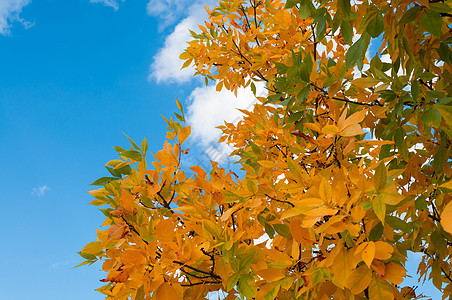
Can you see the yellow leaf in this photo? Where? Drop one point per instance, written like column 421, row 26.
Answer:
column 383, row 250
column 365, row 82
column 299, row 233
column 368, row 253
column 379, row 289
column 394, row 273
column 166, row 291
column 359, row 279
column 313, row 126
column 93, row 248
column 330, row 129
column 271, row 274
column 352, row 130
column 184, row 134
column 342, row 267
column 267, row 164
column 325, row 190
column 356, row 118
column 446, row 218
column 447, row 185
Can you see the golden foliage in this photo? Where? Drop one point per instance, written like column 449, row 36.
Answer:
column 347, row 162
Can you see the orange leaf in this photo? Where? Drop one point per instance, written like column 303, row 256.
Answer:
column 184, row 134
column 379, row 267
column 365, row 82
column 394, row 273
column 446, row 218
column 359, row 279
column 271, row 274
column 383, row 250
column 368, row 253
column 165, row 292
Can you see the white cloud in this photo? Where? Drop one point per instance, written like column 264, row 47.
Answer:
column 40, row 191
column 170, row 11
column 10, row 12
column 208, row 109
column 111, row 3
column 167, row 65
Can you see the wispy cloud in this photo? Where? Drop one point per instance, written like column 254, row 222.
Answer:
column 60, row 264
column 40, row 191
column 10, row 12
column 171, row 11
column 112, row 3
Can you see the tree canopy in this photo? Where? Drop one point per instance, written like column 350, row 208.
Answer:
column 346, row 164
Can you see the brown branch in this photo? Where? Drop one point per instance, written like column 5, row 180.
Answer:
column 446, row 275
column 211, row 274
column 201, row 282
column 279, row 200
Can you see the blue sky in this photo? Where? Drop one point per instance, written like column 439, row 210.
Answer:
column 75, row 75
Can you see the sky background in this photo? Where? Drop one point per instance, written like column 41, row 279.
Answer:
column 74, row 76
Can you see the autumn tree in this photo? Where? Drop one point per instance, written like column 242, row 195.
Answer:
column 346, row 164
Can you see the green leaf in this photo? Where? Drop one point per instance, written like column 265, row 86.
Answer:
column 87, row 255
column 133, row 143
column 347, row 31
column 271, row 295
column 420, row 203
column 410, row 15
column 376, row 232
column 245, row 286
column 440, row 156
column 355, row 52
column 144, row 146
column 380, row 289
column 140, row 295
column 291, row 3
column 399, row 136
column 104, row 180
column 114, row 172
column 283, row 230
column 380, row 177
column 180, row 117
column 316, row 275
column 415, row 90
column 304, row 93
column 432, row 117
column 306, row 68
column 376, row 25
column 397, row 223
column 134, row 155
column 253, row 88
column 321, row 28
column 432, row 22
column 306, row 10
column 344, row 7
column 446, row 112
column 444, row 53
column 232, row 281
column 269, row 230
column 379, row 207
